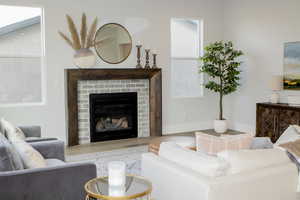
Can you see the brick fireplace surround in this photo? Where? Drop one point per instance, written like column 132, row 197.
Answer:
column 82, row 82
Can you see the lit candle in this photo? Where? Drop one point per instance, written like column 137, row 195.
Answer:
column 116, row 191
column 116, row 173
column 147, row 47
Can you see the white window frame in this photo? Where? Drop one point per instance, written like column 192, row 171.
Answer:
column 43, row 65
column 200, row 50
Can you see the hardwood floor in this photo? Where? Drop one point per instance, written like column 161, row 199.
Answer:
column 115, row 144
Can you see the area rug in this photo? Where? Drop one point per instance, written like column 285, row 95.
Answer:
column 131, row 156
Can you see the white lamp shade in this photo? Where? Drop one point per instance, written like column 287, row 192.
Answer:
column 276, row 83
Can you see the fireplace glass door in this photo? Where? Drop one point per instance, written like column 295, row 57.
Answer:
column 113, row 116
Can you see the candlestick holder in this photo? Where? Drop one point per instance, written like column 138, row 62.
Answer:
column 154, row 61
column 139, row 66
column 147, row 65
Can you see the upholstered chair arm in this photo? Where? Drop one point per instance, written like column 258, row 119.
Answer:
column 31, row 131
column 51, row 149
column 65, row 182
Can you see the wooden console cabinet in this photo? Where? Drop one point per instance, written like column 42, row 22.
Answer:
column 273, row 119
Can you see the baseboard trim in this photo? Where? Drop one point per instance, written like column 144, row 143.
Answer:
column 244, row 127
column 187, row 127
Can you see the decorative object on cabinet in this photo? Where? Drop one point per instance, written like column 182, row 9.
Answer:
column 147, row 65
column 224, row 73
column 139, row 56
column 113, row 43
column 84, row 57
column 273, row 119
column 291, row 78
column 154, row 60
column 275, row 86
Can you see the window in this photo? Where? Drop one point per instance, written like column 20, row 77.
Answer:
column 185, row 52
column 21, row 56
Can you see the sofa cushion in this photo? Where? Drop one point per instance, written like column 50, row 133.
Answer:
column 30, row 157
column 9, row 158
column 289, row 135
column 11, row 132
column 54, row 162
column 247, row 160
column 207, row 165
column 212, row 144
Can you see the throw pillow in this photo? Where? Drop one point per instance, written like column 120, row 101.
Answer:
column 9, row 158
column 11, row 132
column 292, row 147
column 214, row 144
column 289, row 135
column 30, row 157
column 248, row 160
column 210, row 166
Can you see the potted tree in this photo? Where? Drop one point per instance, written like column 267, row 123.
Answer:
column 220, row 64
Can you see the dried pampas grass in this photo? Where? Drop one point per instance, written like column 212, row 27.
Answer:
column 84, row 40
column 83, row 31
column 91, row 35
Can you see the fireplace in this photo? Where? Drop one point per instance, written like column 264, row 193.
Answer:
column 113, row 116
column 81, row 83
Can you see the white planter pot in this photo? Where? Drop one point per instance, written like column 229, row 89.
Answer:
column 220, row 126
column 84, row 58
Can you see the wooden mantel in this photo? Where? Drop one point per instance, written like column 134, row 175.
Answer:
column 155, row 94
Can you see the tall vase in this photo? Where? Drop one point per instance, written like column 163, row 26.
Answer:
column 84, row 58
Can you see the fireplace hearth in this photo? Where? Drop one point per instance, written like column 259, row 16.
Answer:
column 113, row 116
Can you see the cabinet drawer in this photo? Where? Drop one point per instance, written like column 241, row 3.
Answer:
column 267, row 118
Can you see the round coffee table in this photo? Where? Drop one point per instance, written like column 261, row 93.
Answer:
column 135, row 187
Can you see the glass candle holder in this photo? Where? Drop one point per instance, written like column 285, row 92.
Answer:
column 116, row 174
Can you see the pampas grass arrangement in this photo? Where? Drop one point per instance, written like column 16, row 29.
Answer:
column 81, row 42
column 85, row 39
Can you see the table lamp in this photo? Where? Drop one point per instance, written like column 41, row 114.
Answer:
column 276, row 84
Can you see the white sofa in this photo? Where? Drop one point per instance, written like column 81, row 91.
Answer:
column 173, row 181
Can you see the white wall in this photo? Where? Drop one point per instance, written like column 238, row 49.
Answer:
column 259, row 28
column 147, row 21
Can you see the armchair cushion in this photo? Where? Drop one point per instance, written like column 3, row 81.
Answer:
column 207, row 165
column 54, row 162
column 248, row 160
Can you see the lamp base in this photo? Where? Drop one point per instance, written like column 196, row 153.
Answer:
column 274, row 98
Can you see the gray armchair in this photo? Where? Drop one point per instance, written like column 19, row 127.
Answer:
column 58, row 181
column 34, row 134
